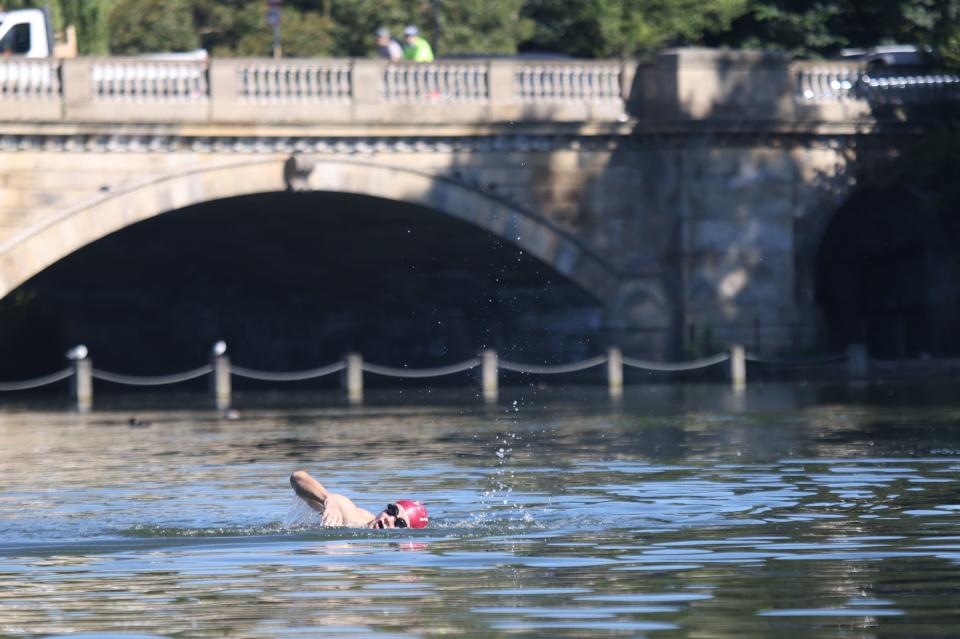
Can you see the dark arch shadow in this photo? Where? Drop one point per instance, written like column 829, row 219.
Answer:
column 292, row 280
column 887, row 275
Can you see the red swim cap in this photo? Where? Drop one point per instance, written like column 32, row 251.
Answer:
column 414, row 513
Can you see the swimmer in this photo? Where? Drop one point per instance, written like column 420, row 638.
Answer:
column 339, row 510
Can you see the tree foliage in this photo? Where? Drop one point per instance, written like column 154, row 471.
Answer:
column 809, row 29
column 581, row 28
column 630, row 27
column 170, row 26
column 481, row 26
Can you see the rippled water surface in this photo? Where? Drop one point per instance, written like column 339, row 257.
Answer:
column 685, row 511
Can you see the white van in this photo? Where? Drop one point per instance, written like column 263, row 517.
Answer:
column 26, row 33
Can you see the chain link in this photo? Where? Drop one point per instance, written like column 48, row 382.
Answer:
column 296, row 376
column 691, row 365
column 37, row 382
column 438, row 371
column 155, row 380
column 552, row 369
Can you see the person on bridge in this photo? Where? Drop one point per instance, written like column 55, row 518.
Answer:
column 417, row 48
column 389, row 47
column 339, row 510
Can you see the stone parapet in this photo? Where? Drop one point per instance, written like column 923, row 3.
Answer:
column 744, row 87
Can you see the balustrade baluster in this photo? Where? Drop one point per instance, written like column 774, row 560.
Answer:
column 400, row 83
column 396, row 83
column 385, row 82
column 343, row 83
column 272, row 82
column 431, row 83
column 453, row 88
column 266, row 80
column 317, row 82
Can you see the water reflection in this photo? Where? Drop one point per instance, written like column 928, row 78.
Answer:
column 790, row 511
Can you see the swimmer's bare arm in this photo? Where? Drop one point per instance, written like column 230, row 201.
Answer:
column 308, row 489
column 338, row 510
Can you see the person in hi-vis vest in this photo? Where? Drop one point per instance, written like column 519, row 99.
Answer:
column 416, row 48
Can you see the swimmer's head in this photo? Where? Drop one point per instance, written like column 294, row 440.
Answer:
column 413, row 512
column 404, row 513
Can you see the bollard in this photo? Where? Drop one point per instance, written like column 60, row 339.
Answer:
column 615, row 372
column 220, row 380
column 858, row 361
column 488, row 375
column 738, row 367
column 81, row 384
column 354, row 377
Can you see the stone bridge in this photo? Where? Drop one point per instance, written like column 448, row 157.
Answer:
column 688, row 195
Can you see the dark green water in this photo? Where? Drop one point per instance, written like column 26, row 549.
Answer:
column 685, row 511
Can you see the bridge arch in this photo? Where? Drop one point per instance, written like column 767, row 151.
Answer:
column 30, row 252
column 886, row 272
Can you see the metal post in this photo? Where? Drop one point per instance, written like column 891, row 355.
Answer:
column 858, row 361
column 435, row 18
column 277, row 48
column 273, row 17
column 81, row 384
column 738, row 367
column 615, row 372
column 488, row 375
column 220, row 380
column 354, row 377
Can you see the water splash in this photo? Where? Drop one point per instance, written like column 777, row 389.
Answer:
column 301, row 515
column 500, row 495
column 151, row 531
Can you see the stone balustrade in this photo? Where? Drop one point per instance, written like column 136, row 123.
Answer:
column 440, row 82
column 566, row 82
column 294, row 80
column 146, row 81
column 29, row 79
column 680, row 84
column 894, row 88
column 29, row 89
column 832, row 82
column 826, row 82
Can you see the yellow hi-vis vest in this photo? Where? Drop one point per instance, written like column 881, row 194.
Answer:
column 419, row 51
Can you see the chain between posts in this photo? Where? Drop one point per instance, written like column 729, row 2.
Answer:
column 152, row 380
column 676, row 366
column 420, row 373
column 553, row 369
column 296, row 376
column 37, row 382
column 377, row 369
column 81, row 372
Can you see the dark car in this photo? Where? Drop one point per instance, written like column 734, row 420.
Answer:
column 891, row 55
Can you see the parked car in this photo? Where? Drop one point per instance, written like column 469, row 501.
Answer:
column 891, row 55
